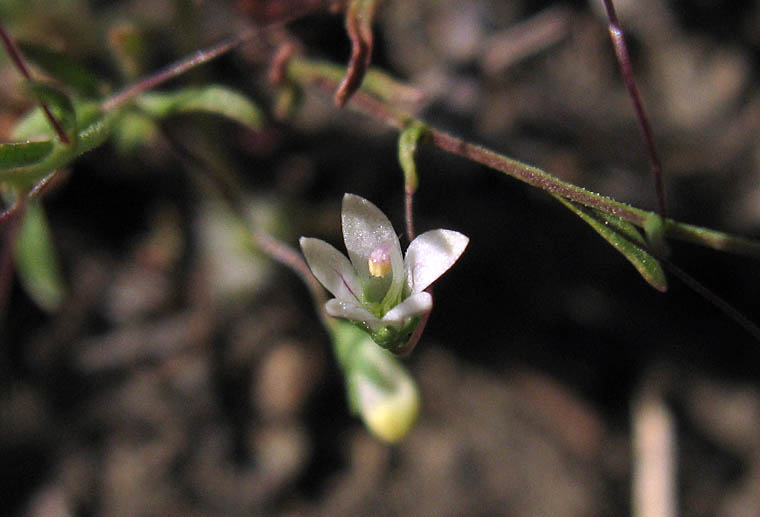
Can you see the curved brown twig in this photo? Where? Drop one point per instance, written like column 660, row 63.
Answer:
column 359, row 17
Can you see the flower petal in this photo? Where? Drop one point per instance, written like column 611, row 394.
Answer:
column 416, row 305
column 349, row 311
column 332, row 269
column 430, row 255
column 365, row 229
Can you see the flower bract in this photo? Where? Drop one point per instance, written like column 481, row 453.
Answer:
column 377, row 287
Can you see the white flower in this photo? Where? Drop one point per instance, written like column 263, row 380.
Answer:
column 379, row 289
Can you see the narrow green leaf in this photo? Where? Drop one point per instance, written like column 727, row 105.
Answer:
column 23, row 154
column 407, row 149
column 391, row 89
column 625, row 238
column 227, row 103
column 217, row 100
column 61, row 67
column 376, row 83
column 36, row 261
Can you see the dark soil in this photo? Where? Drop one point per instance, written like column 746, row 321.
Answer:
column 182, row 376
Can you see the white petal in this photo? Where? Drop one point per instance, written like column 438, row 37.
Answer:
column 430, row 255
column 349, row 311
column 365, row 229
column 332, row 269
column 416, row 305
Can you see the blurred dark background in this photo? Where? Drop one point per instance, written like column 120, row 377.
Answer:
column 184, row 377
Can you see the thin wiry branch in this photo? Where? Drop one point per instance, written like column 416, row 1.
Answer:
column 624, row 60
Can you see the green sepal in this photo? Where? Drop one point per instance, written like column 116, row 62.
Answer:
column 392, row 339
column 626, row 239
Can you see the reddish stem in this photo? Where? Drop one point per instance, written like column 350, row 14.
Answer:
column 531, row 175
column 408, row 212
column 18, row 60
column 624, row 60
column 171, row 71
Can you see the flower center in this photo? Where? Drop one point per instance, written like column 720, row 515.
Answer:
column 379, row 262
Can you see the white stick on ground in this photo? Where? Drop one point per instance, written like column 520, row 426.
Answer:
column 654, row 456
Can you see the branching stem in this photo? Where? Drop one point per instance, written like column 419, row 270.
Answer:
column 327, row 77
column 304, row 71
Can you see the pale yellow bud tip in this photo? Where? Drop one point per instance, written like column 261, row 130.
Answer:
column 390, row 409
column 392, row 420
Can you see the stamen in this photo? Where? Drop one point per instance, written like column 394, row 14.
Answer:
column 379, row 262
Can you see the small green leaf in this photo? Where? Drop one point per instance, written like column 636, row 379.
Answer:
column 625, row 238
column 217, row 100
column 34, row 125
column 407, row 149
column 61, row 67
column 96, row 126
column 23, row 154
column 60, row 105
column 36, row 261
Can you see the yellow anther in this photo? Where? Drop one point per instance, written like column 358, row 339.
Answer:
column 379, row 263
